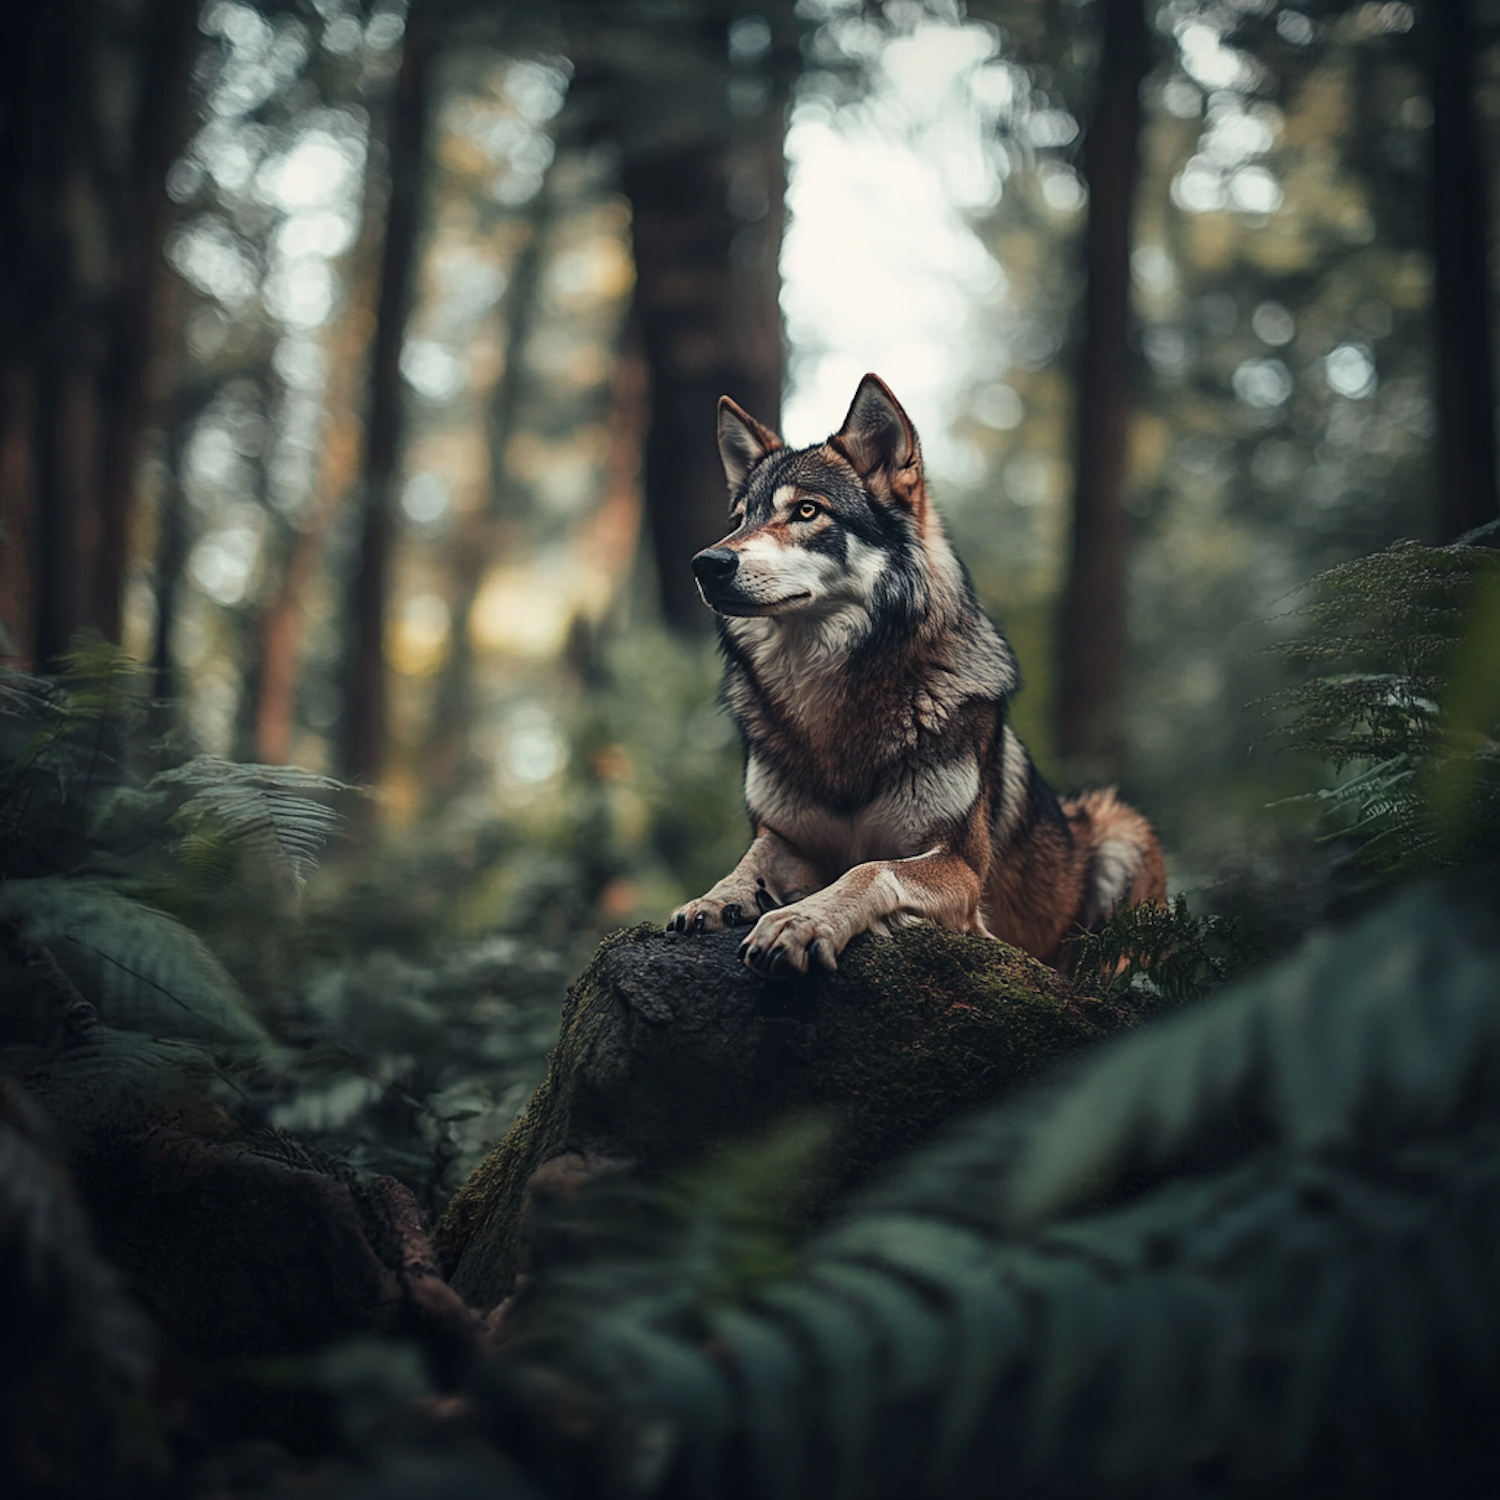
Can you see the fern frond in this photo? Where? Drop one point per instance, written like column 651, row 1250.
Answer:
column 101, row 682
column 1415, row 708
column 143, row 970
column 107, row 1081
column 1253, row 1242
column 276, row 811
column 1328, row 1049
column 1156, row 949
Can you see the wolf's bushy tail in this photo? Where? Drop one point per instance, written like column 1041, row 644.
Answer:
column 1124, row 859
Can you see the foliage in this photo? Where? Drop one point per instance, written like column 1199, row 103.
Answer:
column 1249, row 1243
column 142, row 969
column 272, row 811
column 1407, row 700
column 75, row 798
column 172, row 896
column 724, row 1229
column 645, row 810
column 1157, row 950
column 414, row 1065
column 88, row 837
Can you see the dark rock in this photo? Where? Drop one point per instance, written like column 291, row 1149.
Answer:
column 77, row 1357
column 669, row 1048
column 250, row 1256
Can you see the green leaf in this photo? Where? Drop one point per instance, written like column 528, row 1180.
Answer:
column 143, row 970
column 844, row 1350
column 774, row 1380
column 276, row 811
column 1308, row 1053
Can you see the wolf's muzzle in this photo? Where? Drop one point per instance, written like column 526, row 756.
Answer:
column 714, row 568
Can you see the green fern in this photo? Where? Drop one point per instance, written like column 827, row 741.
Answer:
column 1246, row 1250
column 142, row 969
column 1156, row 950
column 106, row 1081
column 77, row 797
column 64, row 743
column 1415, row 710
column 87, row 830
column 275, row 813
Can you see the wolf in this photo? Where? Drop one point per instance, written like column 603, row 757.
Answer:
column 882, row 777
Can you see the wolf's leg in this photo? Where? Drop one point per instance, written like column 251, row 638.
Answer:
column 771, row 874
column 941, row 886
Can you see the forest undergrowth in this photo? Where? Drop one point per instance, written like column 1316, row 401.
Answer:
column 1083, row 1288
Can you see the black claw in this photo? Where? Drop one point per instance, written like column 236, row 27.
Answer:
column 750, row 953
column 681, row 922
column 733, row 915
column 778, row 962
column 700, row 922
column 812, row 951
column 765, row 900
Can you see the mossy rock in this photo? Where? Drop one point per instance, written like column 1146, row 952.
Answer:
column 669, row 1048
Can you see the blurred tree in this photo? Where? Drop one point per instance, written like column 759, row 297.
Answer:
column 93, row 97
column 1091, row 632
column 694, row 96
column 281, row 622
column 478, row 545
column 242, row 502
column 172, row 540
column 364, row 725
column 1282, row 285
column 1459, row 196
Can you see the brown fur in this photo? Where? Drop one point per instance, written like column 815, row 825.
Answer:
column 871, row 691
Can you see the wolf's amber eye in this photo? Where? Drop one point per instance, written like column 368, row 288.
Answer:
column 807, row 511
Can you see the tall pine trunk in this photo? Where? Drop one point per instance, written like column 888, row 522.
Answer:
column 476, row 544
column 710, row 325
column 84, row 181
column 1460, row 253
column 362, row 744
column 1091, row 630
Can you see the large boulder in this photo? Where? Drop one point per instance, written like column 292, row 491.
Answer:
column 670, row 1048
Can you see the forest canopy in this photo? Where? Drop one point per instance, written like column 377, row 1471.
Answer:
column 370, row 375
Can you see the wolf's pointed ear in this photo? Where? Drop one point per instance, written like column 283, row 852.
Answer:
column 743, row 441
column 877, row 435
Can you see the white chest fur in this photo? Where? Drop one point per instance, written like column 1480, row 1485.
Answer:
column 908, row 815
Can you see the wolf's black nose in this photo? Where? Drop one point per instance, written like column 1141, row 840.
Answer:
column 715, row 566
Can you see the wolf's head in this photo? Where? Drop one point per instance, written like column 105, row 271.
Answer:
column 823, row 531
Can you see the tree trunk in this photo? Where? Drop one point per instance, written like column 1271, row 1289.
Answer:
column 130, row 391
column 281, row 626
column 364, row 728
column 1460, row 251
column 80, row 247
column 172, row 547
column 1091, row 631
column 706, row 303
column 697, row 111
column 476, row 543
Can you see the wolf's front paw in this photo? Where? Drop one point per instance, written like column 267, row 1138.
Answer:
column 723, row 907
column 705, row 915
column 790, row 941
